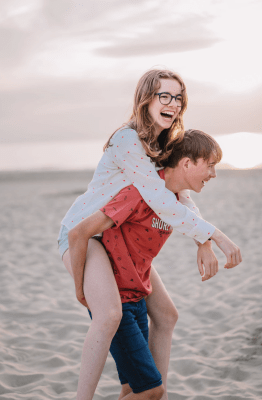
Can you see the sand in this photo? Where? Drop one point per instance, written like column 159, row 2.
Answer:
column 217, row 343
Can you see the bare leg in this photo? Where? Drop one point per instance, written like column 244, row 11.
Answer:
column 151, row 394
column 163, row 317
column 125, row 390
column 103, row 299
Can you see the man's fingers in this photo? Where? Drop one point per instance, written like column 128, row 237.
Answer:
column 216, row 267
column 239, row 257
column 213, row 269
column 200, row 267
column 233, row 259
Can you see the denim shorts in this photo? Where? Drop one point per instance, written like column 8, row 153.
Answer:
column 129, row 348
column 63, row 240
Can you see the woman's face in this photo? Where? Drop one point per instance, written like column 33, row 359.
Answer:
column 164, row 115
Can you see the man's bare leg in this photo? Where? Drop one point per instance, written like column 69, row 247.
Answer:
column 163, row 317
column 151, row 394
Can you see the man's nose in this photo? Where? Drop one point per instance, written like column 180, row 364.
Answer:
column 213, row 173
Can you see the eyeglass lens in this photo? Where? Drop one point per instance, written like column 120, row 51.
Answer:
column 166, row 98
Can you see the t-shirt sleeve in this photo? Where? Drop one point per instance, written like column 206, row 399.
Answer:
column 123, row 205
column 129, row 154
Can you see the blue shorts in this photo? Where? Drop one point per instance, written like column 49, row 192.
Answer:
column 129, row 348
column 63, row 240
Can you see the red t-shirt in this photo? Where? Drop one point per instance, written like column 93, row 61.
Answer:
column 134, row 240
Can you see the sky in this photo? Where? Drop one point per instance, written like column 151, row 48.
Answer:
column 68, row 69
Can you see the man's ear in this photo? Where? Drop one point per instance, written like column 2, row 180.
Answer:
column 185, row 162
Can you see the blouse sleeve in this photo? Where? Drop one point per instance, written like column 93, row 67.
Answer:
column 186, row 199
column 129, row 154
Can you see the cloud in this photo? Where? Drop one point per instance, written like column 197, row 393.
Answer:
column 44, row 39
column 162, row 36
column 64, row 109
column 16, row 45
column 117, row 29
column 217, row 112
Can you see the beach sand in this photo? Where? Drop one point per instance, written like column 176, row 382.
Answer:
column 217, row 342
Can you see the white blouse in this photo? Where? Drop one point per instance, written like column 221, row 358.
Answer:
column 124, row 163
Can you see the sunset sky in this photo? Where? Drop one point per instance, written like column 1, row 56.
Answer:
column 69, row 68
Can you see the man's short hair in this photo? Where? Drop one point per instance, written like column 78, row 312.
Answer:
column 194, row 145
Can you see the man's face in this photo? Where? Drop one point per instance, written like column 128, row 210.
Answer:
column 198, row 174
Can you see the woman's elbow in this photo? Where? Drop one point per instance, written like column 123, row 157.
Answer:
column 73, row 235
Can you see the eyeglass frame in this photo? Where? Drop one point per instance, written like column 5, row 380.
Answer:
column 172, row 97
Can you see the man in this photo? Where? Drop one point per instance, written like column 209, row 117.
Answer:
column 133, row 236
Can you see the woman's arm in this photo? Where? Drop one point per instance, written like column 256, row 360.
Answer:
column 230, row 249
column 186, row 199
column 78, row 241
column 128, row 153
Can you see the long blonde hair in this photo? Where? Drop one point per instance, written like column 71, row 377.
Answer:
column 157, row 148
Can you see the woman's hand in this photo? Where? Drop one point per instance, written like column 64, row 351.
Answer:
column 206, row 261
column 230, row 249
column 81, row 297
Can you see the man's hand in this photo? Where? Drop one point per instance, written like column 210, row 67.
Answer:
column 230, row 249
column 206, row 261
column 81, row 297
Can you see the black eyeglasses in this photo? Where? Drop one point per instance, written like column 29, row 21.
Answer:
column 165, row 98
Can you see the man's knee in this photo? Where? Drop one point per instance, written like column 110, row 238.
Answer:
column 125, row 390
column 171, row 317
column 156, row 393
column 167, row 319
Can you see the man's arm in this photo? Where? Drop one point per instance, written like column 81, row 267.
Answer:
column 78, row 242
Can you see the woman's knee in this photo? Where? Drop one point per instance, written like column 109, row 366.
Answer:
column 108, row 320
column 114, row 316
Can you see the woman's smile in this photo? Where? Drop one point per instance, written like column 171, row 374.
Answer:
column 164, row 115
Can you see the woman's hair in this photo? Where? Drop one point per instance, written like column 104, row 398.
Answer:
column 157, row 148
column 194, row 145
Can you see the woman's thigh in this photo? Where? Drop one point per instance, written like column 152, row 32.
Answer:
column 100, row 287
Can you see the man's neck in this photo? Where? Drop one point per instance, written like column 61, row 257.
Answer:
column 174, row 179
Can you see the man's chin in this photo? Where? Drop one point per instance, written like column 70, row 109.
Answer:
column 198, row 190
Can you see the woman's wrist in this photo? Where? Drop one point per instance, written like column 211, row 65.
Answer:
column 217, row 235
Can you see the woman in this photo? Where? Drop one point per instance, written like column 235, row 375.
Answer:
column 157, row 120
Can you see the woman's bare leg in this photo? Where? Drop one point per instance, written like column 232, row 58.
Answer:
column 103, row 299
column 163, row 317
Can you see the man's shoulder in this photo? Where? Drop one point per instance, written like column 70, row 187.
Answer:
column 130, row 191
